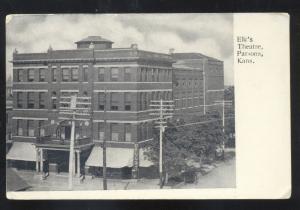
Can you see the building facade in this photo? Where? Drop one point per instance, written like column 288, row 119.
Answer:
column 121, row 82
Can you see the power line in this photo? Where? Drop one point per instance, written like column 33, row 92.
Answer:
column 203, row 122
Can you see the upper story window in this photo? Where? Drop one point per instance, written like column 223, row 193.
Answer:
column 127, row 97
column 30, row 128
column 128, row 132
column 42, row 75
column 114, row 74
column 42, row 128
column 153, row 75
column 42, row 100
column 145, row 75
column 74, row 74
column 101, row 134
column 101, row 74
column 65, row 75
column 114, row 132
column 19, row 100
column 54, row 74
column 20, row 75
column 19, row 128
column 114, row 101
column 85, row 74
column 127, row 74
column 54, row 103
column 30, row 75
column 101, row 101
column 30, row 100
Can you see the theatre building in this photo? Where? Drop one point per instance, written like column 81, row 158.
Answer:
column 198, row 84
column 121, row 82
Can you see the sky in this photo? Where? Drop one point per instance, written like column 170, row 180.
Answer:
column 209, row 34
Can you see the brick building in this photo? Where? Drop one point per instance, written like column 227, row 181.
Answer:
column 121, row 83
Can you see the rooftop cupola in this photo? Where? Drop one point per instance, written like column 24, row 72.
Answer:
column 97, row 42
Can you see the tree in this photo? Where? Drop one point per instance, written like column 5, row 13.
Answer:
column 187, row 143
column 229, row 113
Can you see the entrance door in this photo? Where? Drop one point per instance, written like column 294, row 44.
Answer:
column 66, row 132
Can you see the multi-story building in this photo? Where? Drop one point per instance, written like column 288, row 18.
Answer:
column 9, row 106
column 199, row 83
column 121, row 82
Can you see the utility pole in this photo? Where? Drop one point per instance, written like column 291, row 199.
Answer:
column 161, row 129
column 73, row 106
column 104, row 145
column 165, row 109
column 204, row 91
column 71, row 155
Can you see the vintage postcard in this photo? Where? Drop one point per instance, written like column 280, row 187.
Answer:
column 148, row 106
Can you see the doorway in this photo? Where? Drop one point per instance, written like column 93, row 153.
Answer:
column 65, row 132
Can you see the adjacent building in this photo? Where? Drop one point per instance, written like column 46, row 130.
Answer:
column 121, row 83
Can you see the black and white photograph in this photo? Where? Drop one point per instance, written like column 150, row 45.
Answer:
column 120, row 102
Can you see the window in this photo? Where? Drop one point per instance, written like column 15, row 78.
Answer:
column 19, row 128
column 41, row 128
column 190, row 103
column 19, row 100
column 65, row 75
column 74, row 74
column 127, row 101
column 169, row 75
column 145, row 131
column 30, row 75
column 157, row 75
column 100, row 74
column 54, row 74
column 114, row 101
column 141, row 101
column 141, row 74
column 128, row 132
column 30, row 127
column 114, row 132
column 153, row 75
column 20, row 75
column 42, row 76
column 127, row 74
column 101, row 101
column 30, row 100
column 114, row 74
column 145, row 74
column 101, row 134
column 54, row 103
column 85, row 74
column 145, row 100
column 42, row 100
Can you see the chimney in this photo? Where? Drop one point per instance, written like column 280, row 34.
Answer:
column 171, row 51
column 134, row 46
column 50, row 48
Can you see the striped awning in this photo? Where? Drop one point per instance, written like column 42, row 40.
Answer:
column 22, row 151
column 115, row 157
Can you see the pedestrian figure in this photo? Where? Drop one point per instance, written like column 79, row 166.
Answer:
column 82, row 178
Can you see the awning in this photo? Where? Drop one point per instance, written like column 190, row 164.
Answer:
column 144, row 161
column 115, row 157
column 22, row 151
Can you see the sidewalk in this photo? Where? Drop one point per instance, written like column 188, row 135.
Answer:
column 59, row 182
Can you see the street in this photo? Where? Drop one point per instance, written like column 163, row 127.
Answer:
column 223, row 176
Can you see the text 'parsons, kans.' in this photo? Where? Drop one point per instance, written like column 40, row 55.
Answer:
column 247, row 50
